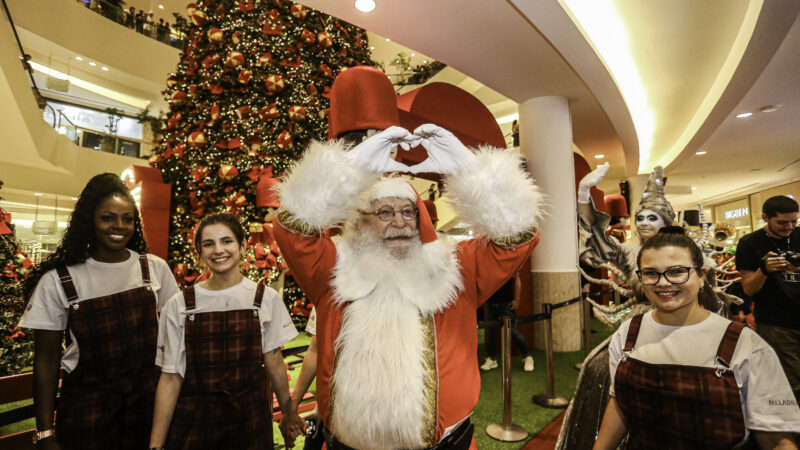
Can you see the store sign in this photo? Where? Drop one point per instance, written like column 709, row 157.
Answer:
column 736, row 213
column 45, row 227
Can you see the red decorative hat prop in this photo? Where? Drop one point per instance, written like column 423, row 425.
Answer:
column 362, row 98
column 266, row 196
column 616, row 206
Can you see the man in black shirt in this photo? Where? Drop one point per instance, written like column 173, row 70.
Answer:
column 768, row 260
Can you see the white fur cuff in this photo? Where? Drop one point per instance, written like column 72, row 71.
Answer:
column 322, row 188
column 496, row 196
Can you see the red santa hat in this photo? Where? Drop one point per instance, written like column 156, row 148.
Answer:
column 362, row 98
column 400, row 187
column 616, row 206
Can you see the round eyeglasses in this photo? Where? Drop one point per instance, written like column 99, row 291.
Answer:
column 674, row 274
column 387, row 213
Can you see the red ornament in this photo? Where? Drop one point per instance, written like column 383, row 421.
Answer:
column 178, row 98
column 324, row 39
column 237, row 37
column 299, row 11
column 227, row 172
column 244, row 76
column 274, row 83
column 326, row 71
column 234, row 59
column 199, row 173
column 214, row 112
column 243, row 112
column 264, row 60
column 311, row 89
column 284, row 140
column 271, row 28
column 209, row 60
column 171, row 81
column 215, row 35
column 297, row 113
column 268, row 112
column 197, row 139
column 215, row 88
column 198, row 17
column 307, row 37
column 273, row 15
column 192, row 90
column 173, row 120
column 246, row 6
column 191, row 8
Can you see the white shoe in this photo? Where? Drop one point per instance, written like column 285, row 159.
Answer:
column 489, row 364
column 527, row 364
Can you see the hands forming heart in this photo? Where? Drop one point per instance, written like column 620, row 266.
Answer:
column 446, row 154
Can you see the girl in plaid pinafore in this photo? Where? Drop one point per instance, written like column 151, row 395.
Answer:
column 684, row 378
column 105, row 294
column 215, row 340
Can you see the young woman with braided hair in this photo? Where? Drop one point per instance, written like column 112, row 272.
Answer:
column 102, row 291
column 683, row 377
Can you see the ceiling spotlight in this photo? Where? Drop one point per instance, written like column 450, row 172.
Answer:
column 769, row 108
column 104, row 68
column 413, row 54
column 388, row 40
column 365, row 5
column 75, row 198
column 79, row 58
column 37, row 194
column 92, row 63
column 694, row 188
column 700, row 153
column 599, row 156
column 743, row 115
column 160, row 6
column 425, row 62
column 372, row 48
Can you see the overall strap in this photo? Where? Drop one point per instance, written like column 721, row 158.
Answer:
column 728, row 343
column 66, row 283
column 259, row 296
column 633, row 333
column 188, row 298
column 145, row 268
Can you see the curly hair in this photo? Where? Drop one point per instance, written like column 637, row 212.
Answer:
column 79, row 238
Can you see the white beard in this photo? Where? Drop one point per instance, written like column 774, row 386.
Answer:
column 378, row 384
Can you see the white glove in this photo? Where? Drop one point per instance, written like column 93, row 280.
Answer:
column 374, row 153
column 446, row 154
column 589, row 181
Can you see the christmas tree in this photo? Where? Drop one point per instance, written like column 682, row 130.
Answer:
column 16, row 346
column 248, row 95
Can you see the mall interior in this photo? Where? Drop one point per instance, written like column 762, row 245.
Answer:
column 709, row 91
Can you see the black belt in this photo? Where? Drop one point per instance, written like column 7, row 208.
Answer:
column 459, row 439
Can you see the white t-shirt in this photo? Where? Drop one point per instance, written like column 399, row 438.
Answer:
column 48, row 306
column 276, row 325
column 311, row 326
column 768, row 403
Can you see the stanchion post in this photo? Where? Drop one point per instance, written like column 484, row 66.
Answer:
column 506, row 431
column 549, row 400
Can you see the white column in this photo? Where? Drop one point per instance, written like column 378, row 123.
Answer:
column 546, row 144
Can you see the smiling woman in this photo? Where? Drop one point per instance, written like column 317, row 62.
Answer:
column 684, row 376
column 102, row 288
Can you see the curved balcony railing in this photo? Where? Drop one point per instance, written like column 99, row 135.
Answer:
column 170, row 34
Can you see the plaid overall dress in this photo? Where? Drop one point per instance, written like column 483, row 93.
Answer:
column 107, row 401
column 223, row 400
column 680, row 407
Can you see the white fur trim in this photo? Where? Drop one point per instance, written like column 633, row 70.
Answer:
column 391, row 187
column 495, row 195
column 378, row 385
column 322, row 188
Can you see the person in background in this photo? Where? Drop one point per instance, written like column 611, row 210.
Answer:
column 769, row 263
column 218, row 341
column 130, row 18
column 140, row 20
column 683, row 377
column 314, row 435
column 162, row 31
column 149, row 25
column 515, row 133
column 103, row 290
column 503, row 303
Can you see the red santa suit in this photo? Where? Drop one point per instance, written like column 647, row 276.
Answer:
column 397, row 365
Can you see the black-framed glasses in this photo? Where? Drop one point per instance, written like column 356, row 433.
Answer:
column 674, row 274
column 387, row 213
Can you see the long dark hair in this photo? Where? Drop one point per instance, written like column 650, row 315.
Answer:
column 79, row 238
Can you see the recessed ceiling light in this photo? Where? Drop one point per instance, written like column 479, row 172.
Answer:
column 694, row 188
column 79, row 58
column 365, row 5
column 599, row 156
column 743, row 115
column 160, row 6
column 92, row 63
column 425, row 62
column 372, row 48
column 413, row 54
column 769, row 108
column 388, row 40
column 75, row 198
column 700, row 153
column 38, row 194
column 104, row 68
